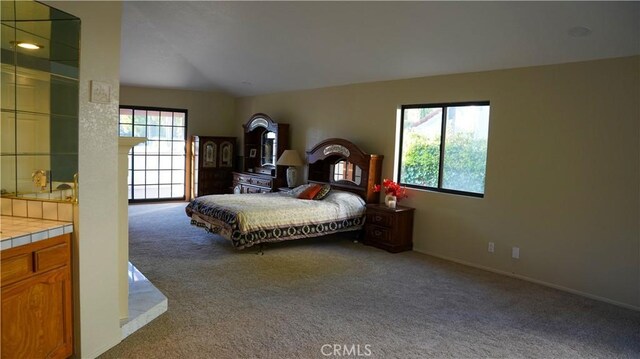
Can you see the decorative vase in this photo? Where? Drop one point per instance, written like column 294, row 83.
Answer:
column 390, row 201
column 291, row 176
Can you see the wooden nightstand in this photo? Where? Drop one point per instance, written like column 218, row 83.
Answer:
column 389, row 229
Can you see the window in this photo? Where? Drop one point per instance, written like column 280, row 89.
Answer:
column 157, row 166
column 443, row 147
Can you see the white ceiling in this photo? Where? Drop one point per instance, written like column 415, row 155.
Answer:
column 250, row 48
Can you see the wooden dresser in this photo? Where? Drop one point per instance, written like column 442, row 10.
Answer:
column 247, row 182
column 264, row 142
column 37, row 300
column 389, row 229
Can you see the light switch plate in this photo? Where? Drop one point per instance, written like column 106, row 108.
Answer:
column 100, row 92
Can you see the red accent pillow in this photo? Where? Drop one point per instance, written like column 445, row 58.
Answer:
column 310, row 192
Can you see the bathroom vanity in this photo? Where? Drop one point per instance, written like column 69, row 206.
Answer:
column 36, row 288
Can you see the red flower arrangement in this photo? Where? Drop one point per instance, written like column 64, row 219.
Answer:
column 392, row 188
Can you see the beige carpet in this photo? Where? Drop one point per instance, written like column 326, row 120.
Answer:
column 301, row 295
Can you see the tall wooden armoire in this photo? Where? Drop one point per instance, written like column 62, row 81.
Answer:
column 212, row 165
column 264, row 142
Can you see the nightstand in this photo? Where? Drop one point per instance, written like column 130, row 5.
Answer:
column 389, row 228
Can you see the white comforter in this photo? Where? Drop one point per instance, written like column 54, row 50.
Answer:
column 248, row 219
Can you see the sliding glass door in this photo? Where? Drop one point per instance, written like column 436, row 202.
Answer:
column 157, row 166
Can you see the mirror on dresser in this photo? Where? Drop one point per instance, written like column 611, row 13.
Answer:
column 264, row 142
column 39, row 110
column 268, row 148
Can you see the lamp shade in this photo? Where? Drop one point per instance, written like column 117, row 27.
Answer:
column 289, row 158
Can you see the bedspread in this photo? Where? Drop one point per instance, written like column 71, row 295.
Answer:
column 249, row 219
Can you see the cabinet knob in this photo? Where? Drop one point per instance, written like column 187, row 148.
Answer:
column 377, row 233
column 377, row 219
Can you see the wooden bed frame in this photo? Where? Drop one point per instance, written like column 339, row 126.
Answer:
column 334, row 161
column 322, row 158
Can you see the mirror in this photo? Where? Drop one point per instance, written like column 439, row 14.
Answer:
column 268, row 149
column 39, row 114
column 347, row 171
column 263, row 143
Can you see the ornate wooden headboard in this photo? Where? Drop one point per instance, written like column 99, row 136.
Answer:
column 345, row 166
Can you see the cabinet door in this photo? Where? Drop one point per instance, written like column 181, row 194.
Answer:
column 36, row 316
column 215, row 166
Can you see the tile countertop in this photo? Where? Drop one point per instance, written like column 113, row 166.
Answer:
column 17, row 231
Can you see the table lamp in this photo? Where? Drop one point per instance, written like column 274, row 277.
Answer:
column 290, row 158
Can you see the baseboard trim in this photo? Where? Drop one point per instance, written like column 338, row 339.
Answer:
column 532, row 280
column 99, row 351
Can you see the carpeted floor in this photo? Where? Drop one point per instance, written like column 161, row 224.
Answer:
column 303, row 294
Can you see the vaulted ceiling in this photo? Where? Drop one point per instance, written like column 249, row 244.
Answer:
column 248, row 48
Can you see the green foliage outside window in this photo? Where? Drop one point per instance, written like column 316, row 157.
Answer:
column 464, row 166
column 465, row 163
column 420, row 161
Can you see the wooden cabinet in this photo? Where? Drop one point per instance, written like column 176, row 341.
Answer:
column 251, row 183
column 388, row 228
column 264, row 142
column 37, row 300
column 212, row 165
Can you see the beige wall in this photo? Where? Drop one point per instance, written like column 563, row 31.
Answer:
column 96, row 248
column 562, row 170
column 209, row 113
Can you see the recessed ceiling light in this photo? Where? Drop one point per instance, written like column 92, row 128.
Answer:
column 579, row 31
column 27, row 45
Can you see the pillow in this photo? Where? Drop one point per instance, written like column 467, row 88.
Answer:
column 296, row 191
column 324, row 191
column 310, row 192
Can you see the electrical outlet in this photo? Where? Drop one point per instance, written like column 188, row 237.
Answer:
column 515, row 253
column 491, row 247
